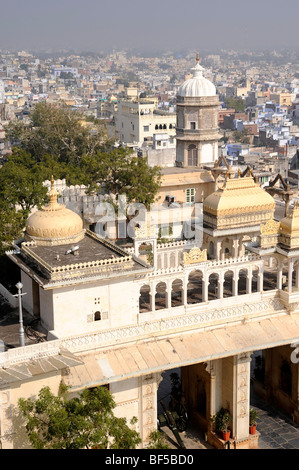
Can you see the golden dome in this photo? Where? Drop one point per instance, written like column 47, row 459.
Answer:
column 54, row 224
column 239, row 202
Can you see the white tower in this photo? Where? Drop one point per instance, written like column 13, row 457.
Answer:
column 197, row 121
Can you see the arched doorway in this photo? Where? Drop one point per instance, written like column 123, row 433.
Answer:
column 160, row 297
column 194, row 287
column 177, row 293
column 144, row 299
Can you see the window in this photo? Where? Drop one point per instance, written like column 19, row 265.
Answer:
column 146, row 128
column 190, row 195
column 193, row 125
column 97, row 316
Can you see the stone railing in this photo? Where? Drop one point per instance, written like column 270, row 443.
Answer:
column 240, row 259
column 30, row 352
column 164, row 271
column 175, row 244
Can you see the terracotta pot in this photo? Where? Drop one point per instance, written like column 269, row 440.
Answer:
column 225, row 435
column 252, row 429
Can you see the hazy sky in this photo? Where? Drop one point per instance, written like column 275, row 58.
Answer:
column 153, row 24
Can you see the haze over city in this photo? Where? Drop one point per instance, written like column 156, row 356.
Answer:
column 157, row 26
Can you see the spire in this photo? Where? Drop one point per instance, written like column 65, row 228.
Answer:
column 198, row 68
column 53, row 195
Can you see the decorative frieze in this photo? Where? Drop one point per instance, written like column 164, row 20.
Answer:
column 195, row 255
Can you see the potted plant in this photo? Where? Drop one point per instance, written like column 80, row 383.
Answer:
column 222, row 420
column 253, row 415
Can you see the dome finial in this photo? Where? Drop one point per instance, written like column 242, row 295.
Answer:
column 197, row 57
column 53, row 195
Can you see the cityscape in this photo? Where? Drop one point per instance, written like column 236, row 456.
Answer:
column 149, row 248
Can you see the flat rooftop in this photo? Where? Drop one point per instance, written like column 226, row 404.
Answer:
column 94, row 257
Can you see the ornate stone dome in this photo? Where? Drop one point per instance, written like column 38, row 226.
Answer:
column 54, row 224
column 239, row 202
column 197, row 86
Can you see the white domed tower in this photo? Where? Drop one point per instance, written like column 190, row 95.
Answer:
column 197, row 121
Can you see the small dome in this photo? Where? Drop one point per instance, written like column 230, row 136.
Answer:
column 54, row 224
column 240, row 202
column 197, row 86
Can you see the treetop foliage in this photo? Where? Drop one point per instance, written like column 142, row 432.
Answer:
column 57, row 142
column 85, row 421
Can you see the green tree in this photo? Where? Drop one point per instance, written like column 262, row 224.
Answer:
column 56, row 143
column 86, row 421
column 21, row 182
column 121, row 173
column 11, row 225
column 241, row 136
column 236, row 103
column 21, row 189
column 56, row 131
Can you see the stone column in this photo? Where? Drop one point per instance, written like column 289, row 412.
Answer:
column 236, row 393
column 249, row 281
column 235, row 284
column 235, row 248
column 218, row 249
column 240, row 249
column 148, row 405
column 279, row 277
column 220, row 285
column 152, row 297
column 205, row 293
column 260, row 281
column 185, row 291
column 168, row 294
